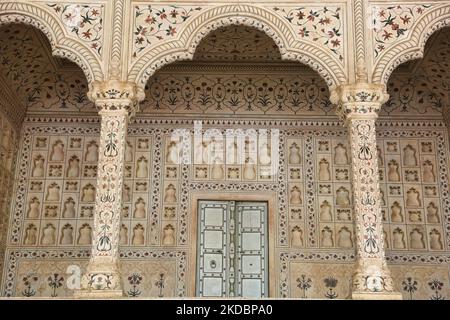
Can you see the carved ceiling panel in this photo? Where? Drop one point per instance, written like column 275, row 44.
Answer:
column 40, row 81
column 423, row 86
column 436, row 65
column 237, row 43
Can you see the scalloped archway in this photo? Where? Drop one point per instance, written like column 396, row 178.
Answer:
column 61, row 45
column 412, row 47
column 290, row 48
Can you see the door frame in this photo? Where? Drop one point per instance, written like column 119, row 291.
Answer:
column 268, row 196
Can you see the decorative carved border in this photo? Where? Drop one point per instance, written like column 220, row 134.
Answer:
column 212, row 18
column 413, row 46
column 360, row 35
column 62, row 46
column 156, row 189
column 286, row 257
column 182, row 121
column 116, row 48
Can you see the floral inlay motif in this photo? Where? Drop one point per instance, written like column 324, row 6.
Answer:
column 153, row 24
column 393, row 23
column 239, row 94
column 110, row 181
column 322, row 25
column 84, row 21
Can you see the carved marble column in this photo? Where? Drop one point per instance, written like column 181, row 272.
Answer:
column 117, row 101
column 358, row 106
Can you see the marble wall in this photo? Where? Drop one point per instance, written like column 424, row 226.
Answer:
column 312, row 228
column 8, row 149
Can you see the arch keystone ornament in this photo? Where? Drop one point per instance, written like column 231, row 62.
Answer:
column 358, row 106
column 117, row 102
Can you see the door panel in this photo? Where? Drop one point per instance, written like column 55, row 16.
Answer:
column 252, row 247
column 212, row 264
column 232, row 249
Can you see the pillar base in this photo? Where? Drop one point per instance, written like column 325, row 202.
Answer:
column 101, row 280
column 377, row 296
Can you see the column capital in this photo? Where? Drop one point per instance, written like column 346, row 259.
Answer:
column 116, row 95
column 359, row 100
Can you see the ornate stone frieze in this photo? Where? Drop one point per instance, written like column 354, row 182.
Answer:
column 48, row 273
column 306, row 276
column 237, row 93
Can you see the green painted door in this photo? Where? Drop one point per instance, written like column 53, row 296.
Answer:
column 232, row 249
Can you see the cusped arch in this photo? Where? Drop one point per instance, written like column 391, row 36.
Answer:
column 184, row 46
column 413, row 46
column 62, row 46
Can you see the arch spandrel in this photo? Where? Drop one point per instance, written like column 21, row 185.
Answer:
column 47, row 18
column 409, row 26
column 177, row 41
